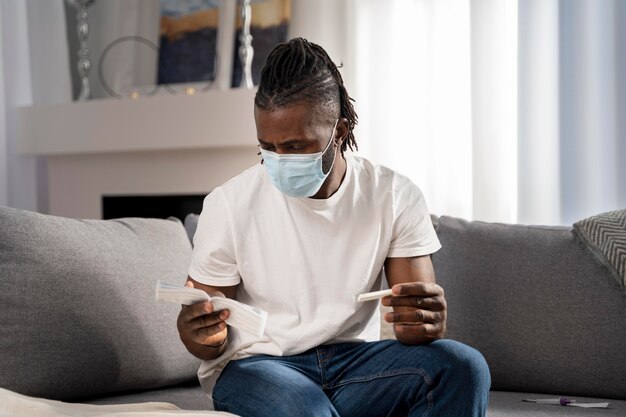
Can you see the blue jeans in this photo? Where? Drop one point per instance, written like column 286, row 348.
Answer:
column 386, row 378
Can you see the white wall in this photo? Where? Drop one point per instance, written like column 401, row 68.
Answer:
column 4, row 157
column 35, row 70
column 327, row 23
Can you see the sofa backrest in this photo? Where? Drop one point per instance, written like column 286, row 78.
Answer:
column 78, row 315
column 546, row 316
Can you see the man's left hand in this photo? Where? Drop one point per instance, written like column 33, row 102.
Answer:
column 419, row 312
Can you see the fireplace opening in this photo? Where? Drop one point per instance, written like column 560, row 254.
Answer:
column 152, row 206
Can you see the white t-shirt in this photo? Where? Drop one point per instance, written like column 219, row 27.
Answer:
column 305, row 260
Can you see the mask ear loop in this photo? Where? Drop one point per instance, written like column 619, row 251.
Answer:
column 331, row 140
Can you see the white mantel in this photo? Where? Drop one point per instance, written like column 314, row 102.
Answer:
column 166, row 144
column 203, row 120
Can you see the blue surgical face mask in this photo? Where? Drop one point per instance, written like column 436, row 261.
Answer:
column 298, row 175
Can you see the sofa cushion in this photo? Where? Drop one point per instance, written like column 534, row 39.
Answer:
column 545, row 315
column 191, row 224
column 510, row 404
column 78, row 316
column 188, row 396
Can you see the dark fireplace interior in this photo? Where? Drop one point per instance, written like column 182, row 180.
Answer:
column 155, row 206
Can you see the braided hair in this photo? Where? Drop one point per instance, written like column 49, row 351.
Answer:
column 301, row 71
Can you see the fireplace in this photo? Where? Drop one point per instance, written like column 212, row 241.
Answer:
column 165, row 145
column 154, row 206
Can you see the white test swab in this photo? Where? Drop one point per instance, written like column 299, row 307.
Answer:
column 375, row 295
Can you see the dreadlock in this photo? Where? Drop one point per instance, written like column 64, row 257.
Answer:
column 300, row 70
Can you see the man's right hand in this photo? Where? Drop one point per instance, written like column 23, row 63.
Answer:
column 202, row 329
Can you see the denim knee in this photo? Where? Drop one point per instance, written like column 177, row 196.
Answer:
column 466, row 360
column 254, row 387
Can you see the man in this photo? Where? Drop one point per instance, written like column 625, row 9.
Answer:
column 300, row 235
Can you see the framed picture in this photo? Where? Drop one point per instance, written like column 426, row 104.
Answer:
column 188, row 41
column 155, row 47
column 190, row 50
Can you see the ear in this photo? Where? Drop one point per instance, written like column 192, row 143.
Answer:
column 341, row 133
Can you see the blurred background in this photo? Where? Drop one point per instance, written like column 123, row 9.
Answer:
column 499, row 110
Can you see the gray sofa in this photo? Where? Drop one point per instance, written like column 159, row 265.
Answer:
column 78, row 319
column 548, row 318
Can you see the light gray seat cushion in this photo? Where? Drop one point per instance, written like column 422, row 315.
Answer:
column 78, row 316
column 546, row 316
column 186, row 396
column 509, row 404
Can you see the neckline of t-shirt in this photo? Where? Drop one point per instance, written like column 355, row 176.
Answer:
column 333, row 199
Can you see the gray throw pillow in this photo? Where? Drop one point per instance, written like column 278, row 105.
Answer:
column 605, row 236
column 78, row 315
column 191, row 224
column 545, row 315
